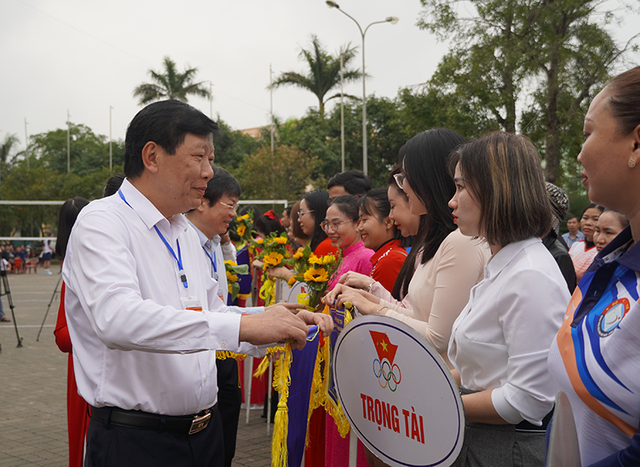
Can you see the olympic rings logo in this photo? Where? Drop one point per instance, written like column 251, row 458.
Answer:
column 388, row 376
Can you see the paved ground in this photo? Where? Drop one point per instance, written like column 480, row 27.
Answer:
column 33, row 427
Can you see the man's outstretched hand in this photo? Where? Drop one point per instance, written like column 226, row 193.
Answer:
column 281, row 322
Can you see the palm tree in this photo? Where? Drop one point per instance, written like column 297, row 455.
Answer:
column 170, row 84
column 324, row 72
column 9, row 143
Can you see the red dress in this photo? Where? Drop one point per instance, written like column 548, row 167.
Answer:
column 77, row 408
column 387, row 261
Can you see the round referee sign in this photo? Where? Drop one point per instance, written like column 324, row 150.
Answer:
column 398, row 393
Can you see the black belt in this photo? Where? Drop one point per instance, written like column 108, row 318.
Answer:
column 186, row 424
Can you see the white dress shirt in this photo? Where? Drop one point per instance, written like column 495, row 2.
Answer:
column 134, row 344
column 502, row 337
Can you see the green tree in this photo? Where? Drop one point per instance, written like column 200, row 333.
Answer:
column 170, row 84
column 559, row 49
column 232, row 146
column 391, row 123
column 431, row 107
column 324, row 72
column 89, row 152
column 483, row 65
column 283, row 174
column 30, row 183
column 573, row 56
column 8, row 153
column 313, row 135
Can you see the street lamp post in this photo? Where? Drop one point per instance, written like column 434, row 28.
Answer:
column 389, row 19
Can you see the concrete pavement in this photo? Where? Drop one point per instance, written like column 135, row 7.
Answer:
column 33, row 425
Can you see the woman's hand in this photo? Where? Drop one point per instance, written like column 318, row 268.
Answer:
column 356, row 280
column 280, row 273
column 347, row 294
column 331, row 295
column 257, row 264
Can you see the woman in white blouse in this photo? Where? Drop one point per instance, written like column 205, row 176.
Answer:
column 500, row 341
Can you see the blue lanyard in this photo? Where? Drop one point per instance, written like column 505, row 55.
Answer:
column 183, row 276
column 213, row 260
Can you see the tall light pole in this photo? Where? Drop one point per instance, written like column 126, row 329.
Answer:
column 68, row 142
column 26, row 141
column 211, row 100
column 342, row 107
column 110, row 144
column 389, row 19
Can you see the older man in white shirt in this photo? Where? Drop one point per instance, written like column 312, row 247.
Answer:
column 143, row 312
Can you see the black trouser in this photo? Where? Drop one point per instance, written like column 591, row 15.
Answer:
column 110, row 445
column 229, row 401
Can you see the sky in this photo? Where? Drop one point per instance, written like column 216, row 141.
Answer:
column 85, row 57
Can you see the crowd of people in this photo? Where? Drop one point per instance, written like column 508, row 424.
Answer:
column 463, row 245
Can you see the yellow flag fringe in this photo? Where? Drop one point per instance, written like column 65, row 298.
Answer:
column 281, row 383
column 224, row 354
column 333, row 407
column 264, row 364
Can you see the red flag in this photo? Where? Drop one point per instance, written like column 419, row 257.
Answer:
column 384, row 347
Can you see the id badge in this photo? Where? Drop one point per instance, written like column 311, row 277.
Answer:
column 191, row 303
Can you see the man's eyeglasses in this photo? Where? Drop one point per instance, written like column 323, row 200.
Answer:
column 399, row 178
column 233, row 207
column 331, row 225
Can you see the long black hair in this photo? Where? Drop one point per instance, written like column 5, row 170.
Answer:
column 66, row 218
column 424, row 159
column 318, row 202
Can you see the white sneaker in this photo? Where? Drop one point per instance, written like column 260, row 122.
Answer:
column 48, row 272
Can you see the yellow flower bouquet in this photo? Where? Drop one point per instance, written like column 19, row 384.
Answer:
column 233, row 270
column 315, row 272
column 299, row 262
column 273, row 254
column 244, row 227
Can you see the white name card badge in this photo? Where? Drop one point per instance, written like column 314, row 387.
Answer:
column 398, row 393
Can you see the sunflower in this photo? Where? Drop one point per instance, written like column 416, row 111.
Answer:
column 272, row 259
column 299, row 254
column 328, row 259
column 316, row 275
column 241, row 229
column 313, row 259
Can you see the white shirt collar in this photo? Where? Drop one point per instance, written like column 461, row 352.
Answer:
column 214, row 241
column 501, row 260
column 147, row 212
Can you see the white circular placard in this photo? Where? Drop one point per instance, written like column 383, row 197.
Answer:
column 398, row 393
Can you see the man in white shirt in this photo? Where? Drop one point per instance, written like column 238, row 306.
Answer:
column 211, row 221
column 143, row 312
